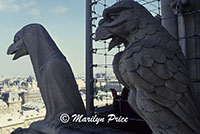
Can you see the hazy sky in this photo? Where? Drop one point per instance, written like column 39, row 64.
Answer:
column 64, row 20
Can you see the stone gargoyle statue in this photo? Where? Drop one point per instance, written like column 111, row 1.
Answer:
column 152, row 66
column 54, row 76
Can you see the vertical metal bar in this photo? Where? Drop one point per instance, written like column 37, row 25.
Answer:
column 89, row 61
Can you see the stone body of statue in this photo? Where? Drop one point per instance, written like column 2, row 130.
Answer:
column 152, row 66
column 53, row 73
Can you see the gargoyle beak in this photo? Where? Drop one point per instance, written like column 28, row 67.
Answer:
column 18, row 48
column 102, row 34
column 116, row 41
column 12, row 49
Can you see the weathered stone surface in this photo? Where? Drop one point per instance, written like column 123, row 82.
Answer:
column 81, row 128
column 156, row 73
column 53, row 73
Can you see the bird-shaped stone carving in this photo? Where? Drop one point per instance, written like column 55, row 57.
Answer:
column 54, row 76
column 152, row 66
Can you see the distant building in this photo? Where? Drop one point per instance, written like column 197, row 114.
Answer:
column 114, row 84
column 31, row 96
column 3, row 107
column 33, row 105
column 10, row 122
column 20, row 103
column 81, row 84
column 13, row 116
column 13, row 101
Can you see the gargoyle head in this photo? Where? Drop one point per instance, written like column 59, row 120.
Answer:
column 18, row 47
column 35, row 41
column 120, row 21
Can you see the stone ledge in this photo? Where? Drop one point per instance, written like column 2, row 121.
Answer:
column 76, row 128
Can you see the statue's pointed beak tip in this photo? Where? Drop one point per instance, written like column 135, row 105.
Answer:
column 11, row 49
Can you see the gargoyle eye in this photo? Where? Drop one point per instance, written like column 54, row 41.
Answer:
column 113, row 16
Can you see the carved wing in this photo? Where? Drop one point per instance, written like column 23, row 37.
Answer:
column 161, row 73
column 132, row 94
column 116, row 68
